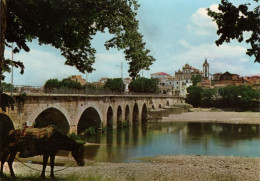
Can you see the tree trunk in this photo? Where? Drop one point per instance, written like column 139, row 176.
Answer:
column 3, row 13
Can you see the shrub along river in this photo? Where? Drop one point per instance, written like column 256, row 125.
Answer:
column 174, row 138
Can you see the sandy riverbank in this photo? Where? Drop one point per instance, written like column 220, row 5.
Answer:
column 205, row 115
column 160, row 168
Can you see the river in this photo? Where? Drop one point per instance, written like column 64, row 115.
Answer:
column 174, row 138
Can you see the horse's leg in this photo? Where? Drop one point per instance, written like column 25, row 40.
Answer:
column 44, row 164
column 52, row 165
column 10, row 163
column 3, row 160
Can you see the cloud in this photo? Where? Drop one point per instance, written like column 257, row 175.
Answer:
column 184, row 43
column 201, row 23
column 39, row 67
column 223, row 58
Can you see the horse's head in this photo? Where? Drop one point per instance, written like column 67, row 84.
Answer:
column 78, row 154
column 78, row 149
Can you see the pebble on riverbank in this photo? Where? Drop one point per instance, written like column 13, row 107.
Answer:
column 162, row 168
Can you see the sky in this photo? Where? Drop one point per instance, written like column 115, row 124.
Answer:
column 177, row 32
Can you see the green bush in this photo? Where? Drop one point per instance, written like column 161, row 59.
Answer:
column 90, row 131
column 115, row 85
column 144, row 85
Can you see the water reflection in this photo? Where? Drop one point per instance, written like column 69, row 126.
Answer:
column 151, row 139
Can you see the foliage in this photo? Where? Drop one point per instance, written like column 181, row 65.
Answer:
column 234, row 96
column 6, row 87
column 196, row 79
column 7, row 66
column 233, row 21
column 207, row 96
column 194, row 96
column 70, row 26
column 144, row 85
column 6, row 101
column 90, row 131
column 55, row 83
column 115, row 85
column 230, row 96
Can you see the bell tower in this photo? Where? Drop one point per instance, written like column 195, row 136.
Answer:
column 205, row 70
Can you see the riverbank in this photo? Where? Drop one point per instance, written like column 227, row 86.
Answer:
column 215, row 116
column 178, row 168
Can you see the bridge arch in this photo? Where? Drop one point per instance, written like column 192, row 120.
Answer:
column 135, row 113
column 52, row 116
column 127, row 114
column 144, row 113
column 110, row 117
column 89, row 118
column 119, row 116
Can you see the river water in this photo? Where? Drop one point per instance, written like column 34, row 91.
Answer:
column 174, row 138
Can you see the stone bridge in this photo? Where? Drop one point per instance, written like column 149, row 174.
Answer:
column 75, row 113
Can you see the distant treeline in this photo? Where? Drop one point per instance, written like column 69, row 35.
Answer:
column 227, row 97
column 115, row 85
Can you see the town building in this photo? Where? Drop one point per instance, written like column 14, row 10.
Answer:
column 225, row 79
column 186, row 73
column 77, row 78
column 253, row 81
column 160, row 75
column 103, row 80
column 169, row 85
column 162, row 84
column 205, row 75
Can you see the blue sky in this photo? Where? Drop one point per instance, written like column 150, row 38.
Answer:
column 176, row 31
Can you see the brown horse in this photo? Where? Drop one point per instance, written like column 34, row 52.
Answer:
column 47, row 147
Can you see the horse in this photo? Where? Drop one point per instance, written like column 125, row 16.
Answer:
column 48, row 147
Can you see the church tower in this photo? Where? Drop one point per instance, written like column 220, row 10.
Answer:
column 205, row 70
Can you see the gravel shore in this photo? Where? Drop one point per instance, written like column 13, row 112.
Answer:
column 204, row 115
column 160, row 168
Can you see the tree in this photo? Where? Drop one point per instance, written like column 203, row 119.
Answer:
column 143, row 85
column 207, row 97
column 229, row 96
column 115, row 85
column 70, row 25
column 238, row 96
column 52, row 84
column 194, row 96
column 247, row 95
column 195, row 79
column 233, row 21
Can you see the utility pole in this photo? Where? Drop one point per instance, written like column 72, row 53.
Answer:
column 121, row 66
column 142, row 81
column 3, row 12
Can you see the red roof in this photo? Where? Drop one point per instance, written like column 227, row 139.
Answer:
column 160, row 73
